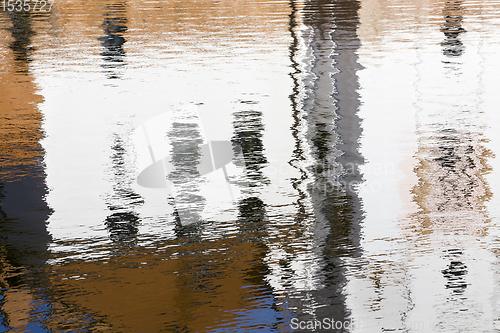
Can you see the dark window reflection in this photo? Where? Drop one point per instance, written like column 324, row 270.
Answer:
column 452, row 28
column 122, row 223
column 114, row 25
column 185, row 156
column 456, row 272
column 248, row 131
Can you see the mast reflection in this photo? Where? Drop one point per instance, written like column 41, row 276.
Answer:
column 326, row 130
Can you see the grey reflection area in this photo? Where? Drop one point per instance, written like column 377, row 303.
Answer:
column 248, row 131
column 114, row 25
column 185, row 155
column 325, row 104
column 452, row 28
column 123, row 221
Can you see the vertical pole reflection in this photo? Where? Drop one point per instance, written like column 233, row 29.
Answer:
column 114, row 25
column 326, row 130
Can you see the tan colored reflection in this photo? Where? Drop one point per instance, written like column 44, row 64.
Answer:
column 380, row 17
column 452, row 190
column 141, row 293
column 206, row 26
column 20, row 150
column 16, row 302
column 20, row 118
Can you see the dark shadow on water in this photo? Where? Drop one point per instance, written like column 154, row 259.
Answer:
column 22, row 32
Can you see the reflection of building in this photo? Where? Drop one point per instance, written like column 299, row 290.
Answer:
column 326, row 130
column 211, row 279
column 23, row 211
column 423, row 232
column 452, row 191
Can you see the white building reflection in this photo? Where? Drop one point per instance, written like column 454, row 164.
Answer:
column 425, row 229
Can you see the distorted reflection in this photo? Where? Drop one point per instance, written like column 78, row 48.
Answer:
column 23, row 210
column 247, row 136
column 22, row 32
column 122, row 223
column 452, row 190
column 114, row 25
column 249, row 205
column 185, row 155
column 455, row 272
column 326, row 131
column 452, row 28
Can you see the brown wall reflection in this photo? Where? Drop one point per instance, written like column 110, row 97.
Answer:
column 23, row 211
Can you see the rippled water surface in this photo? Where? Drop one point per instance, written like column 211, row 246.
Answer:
column 237, row 166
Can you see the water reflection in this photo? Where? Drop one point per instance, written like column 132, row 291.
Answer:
column 248, row 131
column 308, row 244
column 452, row 191
column 455, row 272
column 452, row 28
column 185, row 141
column 22, row 33
column 114, row 25
column 326, row 130
column 122, row 224
column 23, row 210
